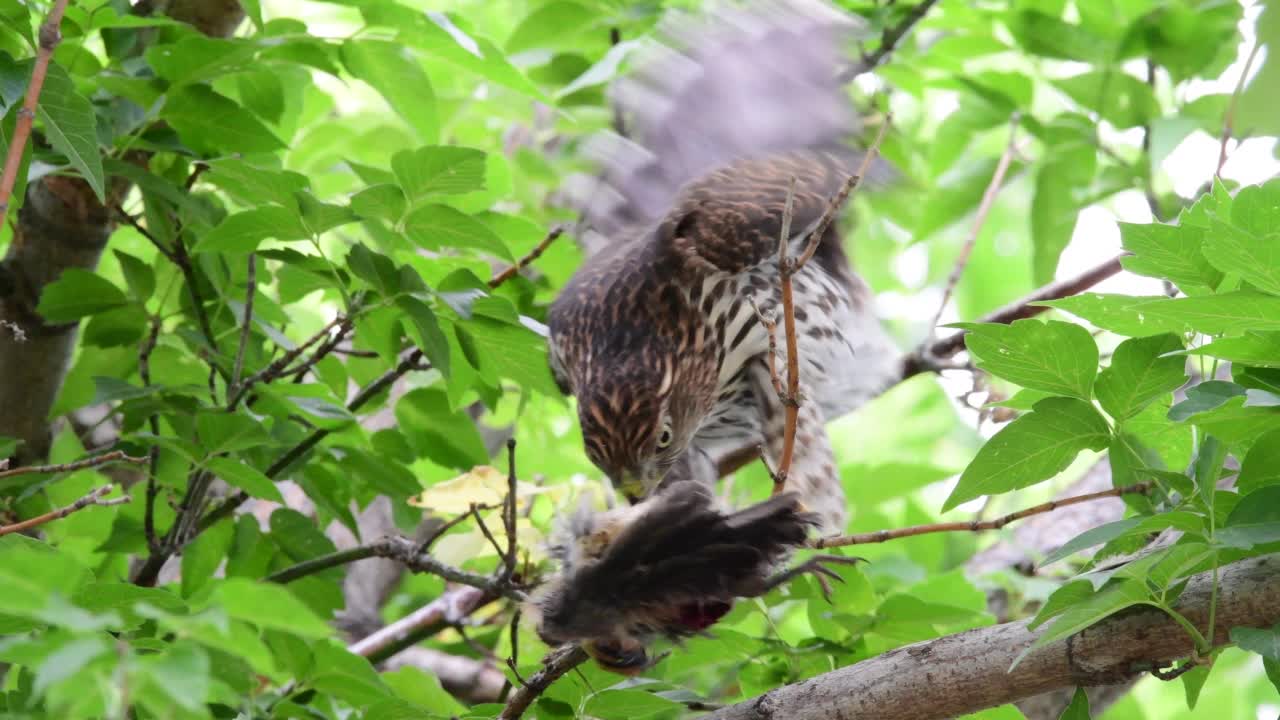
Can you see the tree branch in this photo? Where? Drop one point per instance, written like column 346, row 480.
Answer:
column 970, row 671
column 889, row 40
column 524, row 262
column 103, row 459
column 446, row 610
column 93, row 498
column 976, row 525
column 555, row 665
column 407, row 553
column 50, row 36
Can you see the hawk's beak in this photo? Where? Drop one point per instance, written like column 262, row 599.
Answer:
column 632, row 485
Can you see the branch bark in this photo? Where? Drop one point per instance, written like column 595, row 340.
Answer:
column 969, row 671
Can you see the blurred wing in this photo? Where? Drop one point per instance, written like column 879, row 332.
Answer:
column 739, row 82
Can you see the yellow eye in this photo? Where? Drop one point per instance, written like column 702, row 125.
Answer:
column 665, row 437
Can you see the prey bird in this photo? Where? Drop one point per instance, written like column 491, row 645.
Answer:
column 670, row 566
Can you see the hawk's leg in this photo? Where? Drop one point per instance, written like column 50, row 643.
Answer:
column 813, row 472
column 815, row 566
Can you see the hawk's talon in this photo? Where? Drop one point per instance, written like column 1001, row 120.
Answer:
column 814, row 566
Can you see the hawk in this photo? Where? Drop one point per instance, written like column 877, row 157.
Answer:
column 657, row 334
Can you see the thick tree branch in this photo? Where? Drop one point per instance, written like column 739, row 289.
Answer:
column 446, row 610
column 970, row 671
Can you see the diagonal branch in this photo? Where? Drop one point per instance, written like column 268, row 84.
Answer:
column 977, row 525
column 50, row 36
column 889, row 40
column 93, row 498
column 555, row 665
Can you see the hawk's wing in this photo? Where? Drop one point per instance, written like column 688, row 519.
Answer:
column 741, row 82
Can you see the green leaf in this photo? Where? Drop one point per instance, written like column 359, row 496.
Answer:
column 1169, row 252
column 1121, row 314
column 1044, row 34
column 509, row 351
column 262, row 91
column 69, row 659
column 448, row 438
column 1121, row 99
column 1204, row 397
column 181, row 673
column 1260, row 349
column 201, row 558
column 1033, row 448
column 71, row 127
column 246, row 478
column 1264, row 642
column 398, row 76
column 1079, row 707
column 628, row 704
column 269, row 607
column 1254, row 257
column 1184, row 521
column 1056, row 357
column 1053, row 220
column 1232, row 312
column 244, row 231
column 383, row 201
column 1081, row 615
column 1261, row 466
column 1193, row 682
column 438, row 226
column 78, row 293
column 426, row 333
column 139, row 275
column 196, row 58
column 1139, row 373
column 555, row 24
column 215, row 124
column 438, row 170
column 254, row 185
column 221, row 432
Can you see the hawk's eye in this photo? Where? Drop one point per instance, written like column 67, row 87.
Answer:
column 665, row 437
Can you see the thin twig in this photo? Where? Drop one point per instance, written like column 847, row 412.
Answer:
column 524, row 262
column 103, row 459
column 787, row 269
column 889, row 40
column 554, row 666
column 439, row 532
column 484, row 528
column 980, row 219
column 976, row 525
column 153, row 422
column 278, row 367
column 790, row 399
column 509, row 516
column 93, row 498
column 411, row 361
column 1229, row 118
column 137, row 225
column 50, row 36
column 246, row 329
column 837, row 201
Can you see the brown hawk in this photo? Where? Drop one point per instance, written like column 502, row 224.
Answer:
column 656, row 334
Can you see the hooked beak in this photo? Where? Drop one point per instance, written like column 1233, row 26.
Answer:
column 632, row 485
